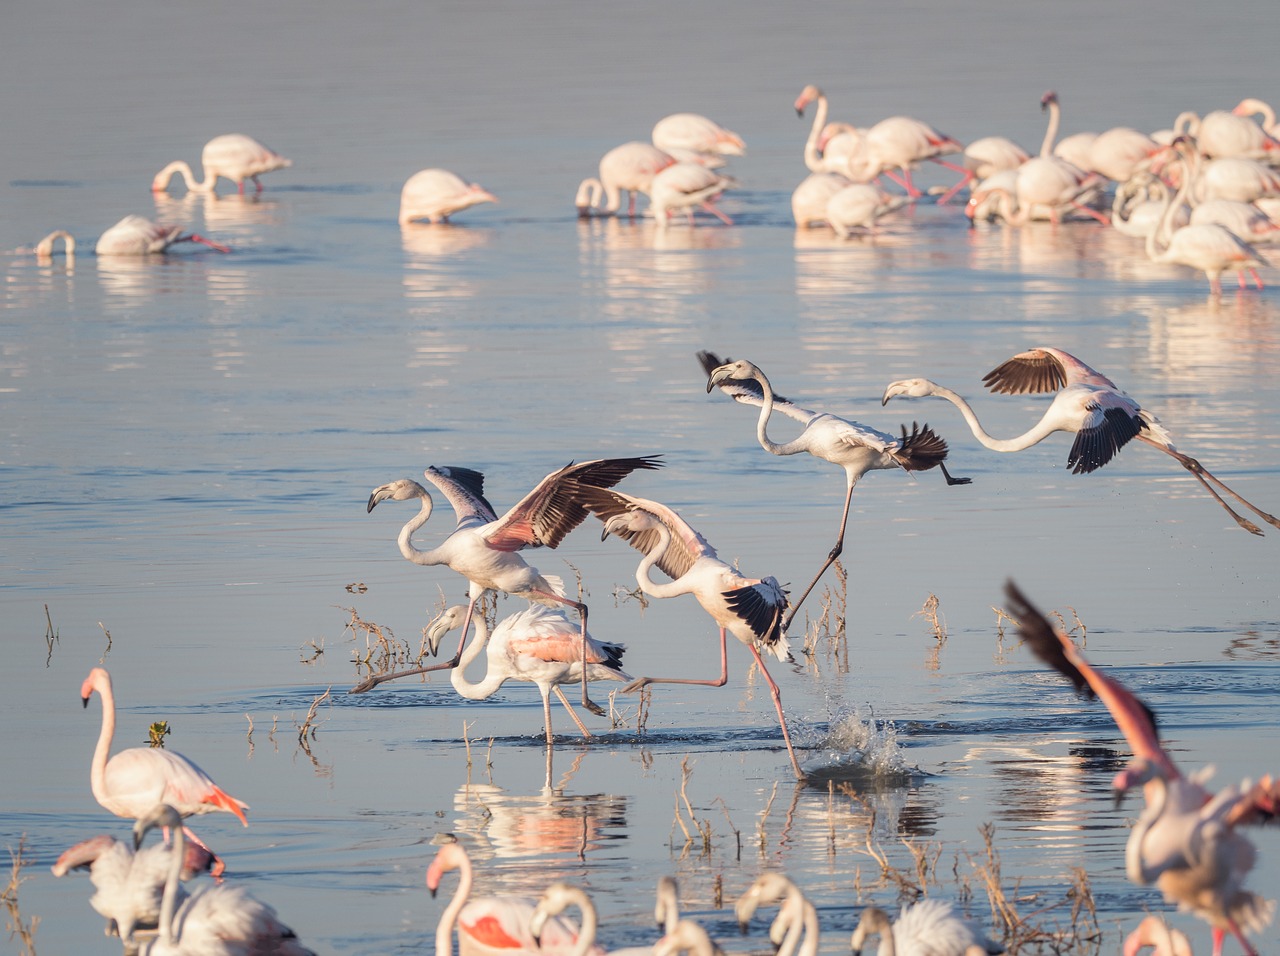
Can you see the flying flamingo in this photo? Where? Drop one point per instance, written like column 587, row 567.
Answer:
column 134, row 781
column 1155, row 932
column 627, row 168
column 821, row 153
column 214, row 919
column 901, row 142
column 1088, row 404
column 856, row 448
column 691, row 131
column 1185, row 840
column 810, row 198
column 559, row 896
column 136, row 236
column 436, row 194
column 749, row 608
column 930, row 926
column 491, row 925
column 539, row 645
column 233, row 156
column 484, row 548
column 684, row 186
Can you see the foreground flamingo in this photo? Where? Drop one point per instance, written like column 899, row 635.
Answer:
column 559, row 896
column 795, row 928
column 687, row 937
column 692, row 131
column 136, row 236
column 134, row 781
column 1155, row 932
column 436, row 194
column 749, row 608
column 233, row 156
column 1088, row 404
column 539, row 645
column 1185, row 840
column 810, row 198
column 627, row 168
column 929, row 927
column 856, row 448
column 217, row 919
column 484, row 548
column 491, row 925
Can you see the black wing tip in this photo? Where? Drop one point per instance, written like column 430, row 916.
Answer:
column 1043, row 638
column 710, row 361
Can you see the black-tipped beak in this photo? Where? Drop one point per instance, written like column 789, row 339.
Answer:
column 710, row 385
column 800, row 111
column 84, row 701
column 1117, row 796
column 743, row 927
column 433, row 892
column 372, row 501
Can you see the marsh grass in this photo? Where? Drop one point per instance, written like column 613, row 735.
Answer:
column 23, row 931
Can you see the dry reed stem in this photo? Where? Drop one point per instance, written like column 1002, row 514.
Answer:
column 306, row 730
column 106, row 650
column 764, row 818
column 25, row 932
column 317, row 651
column 249, row 736
column 50, row 635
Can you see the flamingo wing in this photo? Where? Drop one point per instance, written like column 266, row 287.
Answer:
column 1110, row 420
column 463, row 488
column 686, row 547
column 1134, row 718
column 1042, row 370
column 761, row 605
column 1260, row 803
column 749, row 392
column 139, row 778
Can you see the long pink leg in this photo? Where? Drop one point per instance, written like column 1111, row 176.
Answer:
column 782, row 721
column 1204, row 476
column 716, row 212
column 950, row 193
column 581, row 608
column 1101, row 217
column 569, row 707
column 205, row 242
column 640, row 682
column 834, row 553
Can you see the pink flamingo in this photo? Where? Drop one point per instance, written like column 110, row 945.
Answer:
column 856, row 448
column 484, row 548
column 1119, row 152
column 1244, row 219
column 810, row 198
column 436, row 194
column 136, row 236
column 1088, row 404
column 1155, row 932
column 134, row 781
column 491, row 925
column 1185, row 840
column 44, row 248
column 1255, row 107
column 684, row 186
column 627, row 168
column 1229, row 134
column 749, row 608
column 858, row 206
column 985, row 157
column 694, row 132
column 539, row 645
column 928, row 927
column 900, row 142
column 1073, row 149
column 233, row 156
column 559, row 896
column 821, row 153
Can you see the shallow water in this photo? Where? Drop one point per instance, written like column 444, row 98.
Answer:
column 189, row 443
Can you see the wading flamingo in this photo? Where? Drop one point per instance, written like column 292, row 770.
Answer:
column 490, row 925
column 436, row 194
column 796, row 925
column 233, row 156
column 696, row 133
column 900, row 142
column 44, row 248
column 810, row 198
column 134, row 781
column 1255, row 107
column 684, row 186
column 821, row 155
column 539, row 645
column 749, row 608
column 985, row 157
column 929, row 927
column 1156, row 933
column 1088, row 404
column 1074, row 149
column 559, row 896
column 687, row 937
column 858, row 206
column 856, row 448
column 214, row 919
column 484, row 548
column 136, row 236
column 628, row 168
column 1185, row 840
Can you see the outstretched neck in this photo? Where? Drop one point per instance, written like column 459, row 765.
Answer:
column 169, row 902
column 812, row 157
column 98, row 768
column 1051, row 133
column 492, row 680
column 1025, row 440
column 643, row 576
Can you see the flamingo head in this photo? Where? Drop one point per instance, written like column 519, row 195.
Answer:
column 873, row 922
column 741, row 369
column 83, row 855
column 1140, row 771
column 1049, row 98
column 98, row 679
column 450, row 856
column 807, row 96
column 909, row 388
column 402, row 489
column 626, row 523
column 442, row 625
column 162, row 815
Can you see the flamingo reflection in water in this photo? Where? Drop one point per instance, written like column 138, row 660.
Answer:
column 547, row 824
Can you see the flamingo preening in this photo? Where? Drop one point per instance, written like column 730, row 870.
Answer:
column 232, row 156
column 856, row 448
column 930, row 927
column 1186, row 839
column 436, row 194
column 484, row 548
column 1087, row 404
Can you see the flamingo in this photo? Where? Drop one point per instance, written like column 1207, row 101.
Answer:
column 858, row 206
column 1243, row 219
column 685, row 185
column 856, row 448
column 484, row 548
column 627, row 168
column 928, row 928
column 559, row 896
column 436, row 194
column 1255, row 107
column 136, row 236
column 1155, row 932
column 1119, row 152
column 810, row 198
column 901, row 142
column 1185, row 840
column 491, row 925
column 687, row 937
column 1050, row 184
column 749, row 608
column 232, row 156
column 985, row 157
column 539, row 645
column 134, row 781
column 796, row 915
column 216, row 919
column 129, row 886
column 694, row 132
column 1244, row 180
column 1228, row 134
column 1073, row 149
column 44, row 248
column 821, row 153
column 1140, row 204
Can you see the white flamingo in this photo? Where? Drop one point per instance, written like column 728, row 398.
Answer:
column 559, row 896
column 810, row 198
column 1227, row 134
column 795, row 927
column 821, row 154
column 1073, row 149
column 628, row 168
column 684, row 186
column 985, row 157
column 44, row 248
column 1244, row 219
column 436, row 194
column 928, row 928
column 697, row 133
column 1251, row 106
column 1087, row 404
column 232, row 156
column 136, row 236
column 1119, row 152
column 687, row 937
column 859, row 206
column 899, row 143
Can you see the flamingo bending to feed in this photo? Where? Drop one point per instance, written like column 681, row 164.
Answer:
column 985, row 157
column 821, row 154
column 684, row 186
column 559, row 896
column 1255, row 107
column 436, row 194
column 232, row 156
column 491, row 925
column 1243, row 219
column 810, row 198
column 1087, row 404
column 694, row 132
column 796, row 917
column 213, row 919
column 1185, row 840
column 749, row 608
column 136, row 236
column 900, row 142
column 1120, row 152
column 484, row 548
column 858, row 206
column 856, row 448
column 928, row 928
column 1050, row 184
column 627, row 168
column 1224, row 134
column 1155, row 932
column 44, row 248
column 134, row 781
column 539, row 645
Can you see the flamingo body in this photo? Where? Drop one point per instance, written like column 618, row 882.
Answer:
column 436, row 194
column 136, row 236
column 692, row 131
column 810, row 198
column 684, row 186
column 930, row 927
column 899, row 142
column 627, row 168
column 858, row 206
column 232, row 156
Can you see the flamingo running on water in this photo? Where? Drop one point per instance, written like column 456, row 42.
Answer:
column 749, row 608
column 929, row 927
column 484, row 548
column 136, row 236
column 559, row 896
column 1087, row 404
column 628, row 168
column 1186, row 840
column 696, row 133
column 232, row 156
column 856, row 448
column 684, row 186
column 436, row 194
column 539, row 645
column 134, row 781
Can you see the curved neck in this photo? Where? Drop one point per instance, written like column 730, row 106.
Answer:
column 590, row 192
column 647, row 584
column 492, row 679
column 444, row 929
column 180, row 166
column 667, row 908
column 427, row 558
column 812, row 156
column 587, row 931
column 1134, row 864
column 1163, row 233
column 169, row 903
column 1051, row 133
column 98, row 766
column 766, row 409
column 1037, row 433
column 1017, row 217
column 45, row 246
column 802, row 924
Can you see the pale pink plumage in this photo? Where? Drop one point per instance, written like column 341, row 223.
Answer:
column 697, row 133
column 809, row 200
column 899, row 143
column 232, row 156
column 685, row 186
column 829, row 145
column 436, row 194
column 136, row 236
column 627, row 168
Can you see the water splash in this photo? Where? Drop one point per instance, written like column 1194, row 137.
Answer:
column 861, row 748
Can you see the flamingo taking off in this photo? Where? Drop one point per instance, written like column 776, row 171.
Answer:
column 1087, row 404
column 1186, row 839
column 134, row 781
column 484, row 548
column 749, row 608
column 856, row 448
column 928, row 927
column 232, row 156
column 694, row 132
column 539, row 645
column 684, row 186
column 436, row 194
column 628, row 168
column 136, row 236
